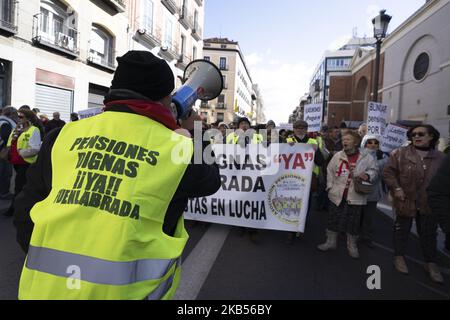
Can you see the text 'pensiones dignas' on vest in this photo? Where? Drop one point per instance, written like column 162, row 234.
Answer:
column 112, row 161
column 101, row 153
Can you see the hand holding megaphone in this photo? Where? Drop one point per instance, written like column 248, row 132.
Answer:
column 202, row 80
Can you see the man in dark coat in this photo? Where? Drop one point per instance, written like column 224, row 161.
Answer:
column 439, row 197
column 55, row 123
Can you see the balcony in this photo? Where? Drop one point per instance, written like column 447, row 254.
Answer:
column 205, row 105
column 221, row 106
column 199, row 2
column 197, row 32
column 186, row 19
column 102, row 62
column 183, row 61
column 171, row 5
column 8, row 16
column 150, row 37
column 170, row 52
column 224, row 67
column 117, row 5
column 57, row 37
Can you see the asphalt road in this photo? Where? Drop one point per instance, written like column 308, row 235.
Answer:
column 222, row 264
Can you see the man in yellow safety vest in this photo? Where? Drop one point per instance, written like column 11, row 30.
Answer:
column 104, row 202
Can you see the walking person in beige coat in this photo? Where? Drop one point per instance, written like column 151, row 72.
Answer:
column 346, row 204
column 408, row 174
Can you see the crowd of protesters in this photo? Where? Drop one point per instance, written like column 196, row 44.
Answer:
column 21, row 134
column 351, row 176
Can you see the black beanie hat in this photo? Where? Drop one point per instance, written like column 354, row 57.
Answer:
column 243, row 119
column 142, row 72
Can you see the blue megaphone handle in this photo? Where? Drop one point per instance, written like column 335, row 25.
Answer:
column 184, row 99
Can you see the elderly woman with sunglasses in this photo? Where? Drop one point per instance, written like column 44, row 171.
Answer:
column 408, row 173
column 371, row 144
column 24, row 143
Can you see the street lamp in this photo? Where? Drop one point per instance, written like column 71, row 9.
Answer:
column 380, row 27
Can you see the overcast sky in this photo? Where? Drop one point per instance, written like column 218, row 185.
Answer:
column 284, row 40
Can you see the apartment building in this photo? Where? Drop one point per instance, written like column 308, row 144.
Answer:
column 237, row 98
column 61, row 55
column 173, row 29
column 331, row 84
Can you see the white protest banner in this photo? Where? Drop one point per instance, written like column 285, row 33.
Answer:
column 377, row 118
column 313, row 115
column 262, row 188
column 89, row 113
column 395, row 136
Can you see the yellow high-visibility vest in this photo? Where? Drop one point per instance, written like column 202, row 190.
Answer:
column 23, row 142
column 316, row 169
column 99, row 234
column 233, row 138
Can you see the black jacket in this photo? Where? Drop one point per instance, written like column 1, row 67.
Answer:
column 439, row 194
column 199, row 180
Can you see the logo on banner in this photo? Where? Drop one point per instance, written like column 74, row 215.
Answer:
column 285, row 198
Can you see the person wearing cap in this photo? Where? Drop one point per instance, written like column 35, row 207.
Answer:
column 272, row 134
column 242, row 136
column 220, row 137
column 300, row 135
column 104, row 203
column 371, row 144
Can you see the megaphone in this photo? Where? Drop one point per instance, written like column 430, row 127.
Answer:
column 202, row 80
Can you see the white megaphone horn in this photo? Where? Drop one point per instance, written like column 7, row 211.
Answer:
column 202, row 80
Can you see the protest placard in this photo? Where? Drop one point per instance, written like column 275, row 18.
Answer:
column 377, row 119
column 88, row 113
column 395, row 136
column 262, row 188
column 313, row 115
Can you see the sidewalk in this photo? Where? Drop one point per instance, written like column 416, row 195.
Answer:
column 385, row 207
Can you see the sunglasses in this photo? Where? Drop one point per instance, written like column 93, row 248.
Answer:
column 418, row 134
column 373, row 142
column 21, row 117
column 301, row 128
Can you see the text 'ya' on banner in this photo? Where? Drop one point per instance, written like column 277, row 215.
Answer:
column 262, row 188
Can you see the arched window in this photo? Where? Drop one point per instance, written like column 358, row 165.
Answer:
column 101, row 47
column 421, row 66
column 57, row 23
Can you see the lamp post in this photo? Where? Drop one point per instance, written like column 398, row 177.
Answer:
column 380, row 27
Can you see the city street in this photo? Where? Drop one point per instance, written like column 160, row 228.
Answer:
column 221, row 264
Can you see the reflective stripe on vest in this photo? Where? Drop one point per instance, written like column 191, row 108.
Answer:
column 234, row 138
column 97, row 270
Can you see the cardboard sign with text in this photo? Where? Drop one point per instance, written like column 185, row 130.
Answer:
column 395, row 136
column 377, row 119
column 314, row 115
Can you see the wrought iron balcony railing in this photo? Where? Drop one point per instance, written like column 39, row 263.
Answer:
column 197, row 32
column 105, row 62
column 55, row 35
column 151, row 37
column 186, row 18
